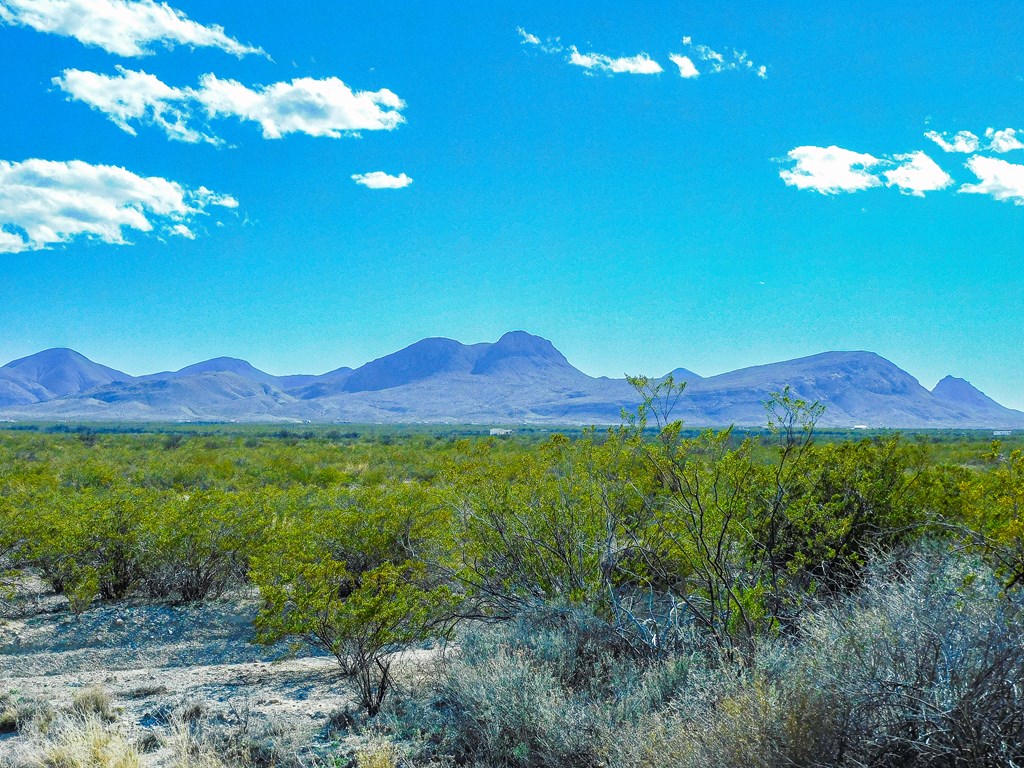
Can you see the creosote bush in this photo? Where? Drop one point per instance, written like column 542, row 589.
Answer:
column 640, row 596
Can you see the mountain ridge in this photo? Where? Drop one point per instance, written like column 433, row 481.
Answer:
column 518, row 378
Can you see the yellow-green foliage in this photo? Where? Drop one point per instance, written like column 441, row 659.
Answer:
column 350, row 577
column 379, row 753
column 993, row 504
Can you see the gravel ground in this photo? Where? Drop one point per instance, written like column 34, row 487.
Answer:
column 156, row 659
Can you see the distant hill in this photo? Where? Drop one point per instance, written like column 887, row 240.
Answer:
column 50, row 374
column 857, row 388
column 520, row 378
column 218, row 365
column 971, row 402
column 682, row 376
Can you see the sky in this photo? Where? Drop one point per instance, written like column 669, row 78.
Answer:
column 648, row 185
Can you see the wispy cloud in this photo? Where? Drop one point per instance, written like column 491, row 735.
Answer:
column 135, row 97
column 45, row 202
column 916, row 174
column 326, row 107
column 547, row 45
column 714, row 62
column 528, row 38
column 687, row 69
column 641, row 64
column 830, row 170
column 711, row 60
column 121, row 27
column 964, row 141
column 381, row 180
column 997, row 178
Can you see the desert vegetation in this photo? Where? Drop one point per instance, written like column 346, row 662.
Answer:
column 640, row 596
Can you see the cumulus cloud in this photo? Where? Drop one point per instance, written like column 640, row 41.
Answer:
column 1003, row 141
column 998, row 178
column 730, row 61
column 325, row 107
column 121, row 27
column 830, row 170
column 916, row 174
column 964, row 141
column 641, row 64
column 45, row 202
column 381, row 180
column 687, row 69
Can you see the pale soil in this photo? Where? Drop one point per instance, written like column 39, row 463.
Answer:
column 155, row 660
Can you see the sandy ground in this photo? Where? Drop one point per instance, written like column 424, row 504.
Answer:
column 154, row 660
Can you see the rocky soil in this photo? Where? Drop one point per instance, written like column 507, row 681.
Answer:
column 159, row 663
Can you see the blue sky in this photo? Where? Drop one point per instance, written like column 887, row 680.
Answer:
column 641, row 221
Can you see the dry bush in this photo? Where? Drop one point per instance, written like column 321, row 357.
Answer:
column 928, row 662
column 536, row 692
column 922, row 667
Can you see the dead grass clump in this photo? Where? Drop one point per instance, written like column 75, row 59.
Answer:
column 94, row 700
column 17, row 714
column 241, row 740
column 86, row 741
column 8, row 714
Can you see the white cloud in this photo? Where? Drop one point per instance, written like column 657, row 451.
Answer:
column 731, row 61
column 830, row 170
column 685, row 64
column 917, row 174
column 121, row 27
column 998, row 178
column 326, row 107
column 44, row 202
column 528, row 39
column 964, row 141
column 711, row 61
column 381, row 180
column 134, row 96
column 641, row 64
column 1003, row 141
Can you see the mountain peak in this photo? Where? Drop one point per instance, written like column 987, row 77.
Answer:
column 520, row 350
column 421, row 360
column 62, row 371
column 221, row 365
column 961, row 392
column 680, row 375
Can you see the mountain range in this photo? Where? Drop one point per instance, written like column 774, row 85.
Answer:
column 521, row 378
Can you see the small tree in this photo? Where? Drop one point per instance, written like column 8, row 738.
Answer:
column 348, row 578
column 362, row 619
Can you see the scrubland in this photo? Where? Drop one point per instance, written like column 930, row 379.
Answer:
column 641, row 596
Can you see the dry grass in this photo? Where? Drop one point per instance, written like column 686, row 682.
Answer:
column 86, row 741
column 190, row 751
column 379, row 753
column 94, row 700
